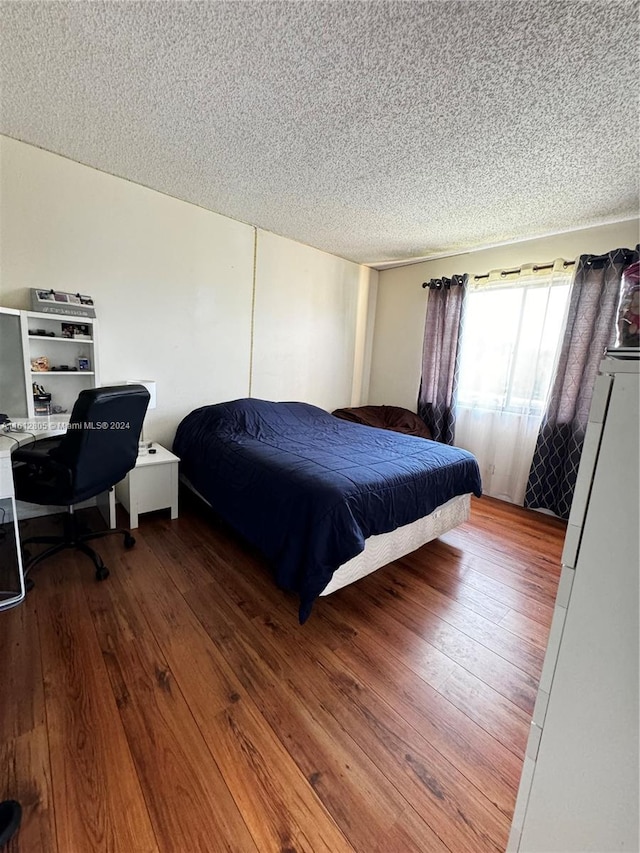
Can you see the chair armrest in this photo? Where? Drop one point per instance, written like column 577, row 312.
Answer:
column 35, row 468
column 36, row 454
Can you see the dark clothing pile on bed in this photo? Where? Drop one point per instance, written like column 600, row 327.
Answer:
column 307, row 489
column 386, row 417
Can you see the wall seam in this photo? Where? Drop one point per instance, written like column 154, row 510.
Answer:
column 253, row 308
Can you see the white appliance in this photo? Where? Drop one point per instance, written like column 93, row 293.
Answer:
column 579, row 786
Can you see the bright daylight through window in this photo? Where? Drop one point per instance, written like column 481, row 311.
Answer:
column 511, row 336
column 510, row 341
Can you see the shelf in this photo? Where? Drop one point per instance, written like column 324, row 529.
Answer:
column 60, row 318
column 66, row 340
column 62, row 373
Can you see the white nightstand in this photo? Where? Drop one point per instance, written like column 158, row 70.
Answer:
column 151, row 485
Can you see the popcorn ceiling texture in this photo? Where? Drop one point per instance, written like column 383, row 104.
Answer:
column 373, row 130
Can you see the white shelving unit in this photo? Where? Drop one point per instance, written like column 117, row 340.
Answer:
column 63, row 385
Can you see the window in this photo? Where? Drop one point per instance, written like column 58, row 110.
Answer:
column 510, row 341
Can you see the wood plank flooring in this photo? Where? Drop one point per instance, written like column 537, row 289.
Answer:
column 179, row 706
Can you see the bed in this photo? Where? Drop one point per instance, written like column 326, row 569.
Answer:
column 325, row 500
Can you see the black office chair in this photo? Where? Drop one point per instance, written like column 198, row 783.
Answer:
column 98, row 449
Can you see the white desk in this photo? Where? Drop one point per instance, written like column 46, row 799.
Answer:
column 10, row 441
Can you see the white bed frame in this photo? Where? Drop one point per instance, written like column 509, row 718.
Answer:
column 385, row 548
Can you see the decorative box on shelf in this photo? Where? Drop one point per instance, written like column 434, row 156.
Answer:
column 49, row 301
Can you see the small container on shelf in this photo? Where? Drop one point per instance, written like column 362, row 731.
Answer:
column 42, row 404
column 40, row 364
column 41, row 401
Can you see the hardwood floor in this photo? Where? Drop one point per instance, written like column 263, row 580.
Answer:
column 179, row 706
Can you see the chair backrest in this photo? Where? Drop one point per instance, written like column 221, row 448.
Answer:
column 101, row 442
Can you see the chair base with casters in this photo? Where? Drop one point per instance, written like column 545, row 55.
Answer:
column 72, row 537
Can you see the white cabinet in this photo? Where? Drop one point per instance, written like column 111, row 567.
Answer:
column 69, row 346
column 579, row 791
column 151, row 485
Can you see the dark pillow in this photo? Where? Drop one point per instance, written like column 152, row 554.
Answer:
column 386, row 417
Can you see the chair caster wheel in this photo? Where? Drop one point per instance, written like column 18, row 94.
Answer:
column 10, row 817
column 102, row 573
column 29, row 584
column 129, row 540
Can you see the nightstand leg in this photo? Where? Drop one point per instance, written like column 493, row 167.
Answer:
column 174, row 490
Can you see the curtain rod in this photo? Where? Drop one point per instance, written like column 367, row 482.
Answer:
column 517, row 270
column 445, row 283
column 438, row 283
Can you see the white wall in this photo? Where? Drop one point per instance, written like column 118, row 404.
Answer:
column 306, row 323
column 173, row 285
column 401, row 301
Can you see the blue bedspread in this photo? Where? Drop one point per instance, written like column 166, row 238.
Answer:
column 307, row 489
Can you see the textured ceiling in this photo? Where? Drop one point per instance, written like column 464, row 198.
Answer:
column 373, row 130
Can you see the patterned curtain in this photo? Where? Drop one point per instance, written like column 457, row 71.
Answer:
column 590, row 329
column 440, row 355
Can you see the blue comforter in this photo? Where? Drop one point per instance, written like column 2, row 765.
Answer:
column 307, row 489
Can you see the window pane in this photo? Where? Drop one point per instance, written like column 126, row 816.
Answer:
column 488, row 338
column 509, row 346
column 537, row 347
